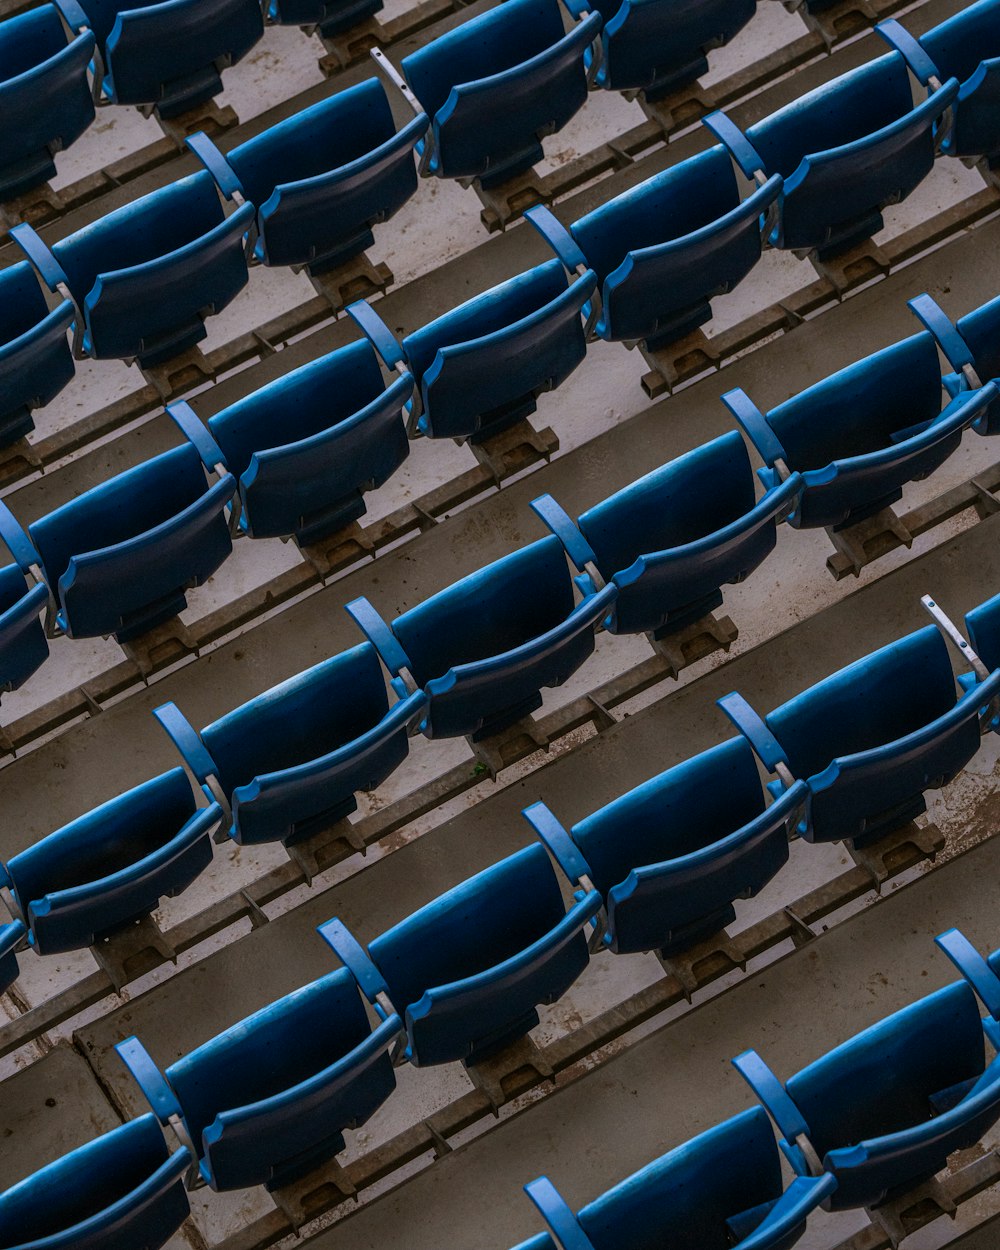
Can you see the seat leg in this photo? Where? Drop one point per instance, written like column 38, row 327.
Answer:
column 508, row 739
column 862, row 539
column 346, row 278
column 335, row 547
column 887, row 854
column 510, row 448
column 302, row 1195
column 336, row 840
column 124, row 954
column 158, row 640
column 505, row 1068
column 507, row 191
column 681, row 647
column 901, row 1214
column 698, row 964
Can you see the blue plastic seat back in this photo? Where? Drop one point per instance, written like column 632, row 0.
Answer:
column 45, row 96
column 146, row 274
column 967, row 47
column 330, row 16
column 291, row 760
column 884, row 1082
column 983, row 625
column 35, row 359
column 871, row 738
column 854, row 414
column 23, row 647
column 482, row 365
column 122, row 1191
column 676, row 851
column 660, row 45
column 662, row 249
column 306, row 446
column 846, row 150
column 11, row 936
column 269, row 1098
column 325, row 176
column 470, row 968
column 120, row 556
column 498, row 83
column 484, row 647
column 171, row 54
column 113, row 865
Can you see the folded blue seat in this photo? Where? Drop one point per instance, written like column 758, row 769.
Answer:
column 307, row 446
column 483, row 648
column 11, row 937
column 165, row 55
column 481, row 367
column 329, row 17
column 972, row 346
column 845, row 150
column 672, row 539
column 671, row 856
column 268, row 1100
column 144, row 278
column 322, row 178
column 883, row 1111
column 45, row 97
column 35, row 359
column 122, row 1191
column 100, row 873
column 663, row 249
column 861, row 434
column 118, row 558
column 495, row 86
column 23, row 597
column 722, row 1190
column 871, row 738
column 467, row 971
column 287, row 764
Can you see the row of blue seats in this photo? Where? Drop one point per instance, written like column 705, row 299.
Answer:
column 58, row 61
column 296, row 458
column 269, row 1099
column 641, row 268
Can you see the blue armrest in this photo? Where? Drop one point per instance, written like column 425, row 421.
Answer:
column 765, row 745
column 754, row 424
column 567, row 854
column 973, row 967
column 558, row 520
column 563, row 1224
column 354, row 957
column 73, row 15
column 39, row 256
column 379, row 634
column 933, row 317
column 739, row 146
column 217, row 165
column 772, row 1094
column 187, row 740
column 149, row 1078
column 17, row 542
column 377, row 333
column 557, row 237
column 190, row 425
column 912, row 52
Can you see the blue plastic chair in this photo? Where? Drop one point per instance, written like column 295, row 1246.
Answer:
column 483, row 648
column 165, row 55
column 662, row 250
column 268, row 1100
column 467, row 972
column 871, row 738
column 861, row 434
column 495, row 86
column 328, row 17
column 671, row 856
column 883, row 1111
column 144, row 277
column 23, row 597
column 722, row 1190
column 307, row 446
column 287, row 764
column 672, row 539
column 118, row 558
column 845, row 150
column 322, row 178
column 35, row 359
column 109, row 868
column 12, row 936
column 972, row 346
column 45, row 96
column 481, row 367
column 122, row 1191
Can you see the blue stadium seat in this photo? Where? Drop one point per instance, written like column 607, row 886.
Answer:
column 109, row 868
column 972, row 346
column 268, row 1100
column 307, row 446
column 672, row 539
column 845, row 150
column 657, row 46
column 671, row 856
column 122, row 1191
column 722, row 1190
column 495, row 86
column 35, row 359
column 467, row 971
column 144, row 277
column 166, row 55
column 882, row 1111
column 329, row 17
column 871, row 738
column 118, row 558
column 322, row 178
column 23, row 597
column 483, row 648
column 45, row 96
column 663, row 249
column 287, row 764
column 11, row 937
column 481, row 367
column 861, row 434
